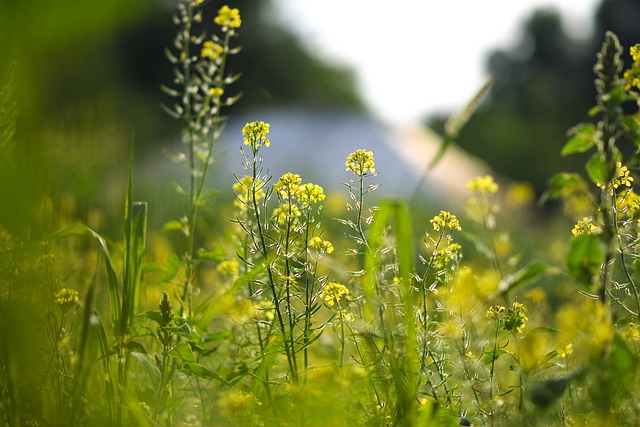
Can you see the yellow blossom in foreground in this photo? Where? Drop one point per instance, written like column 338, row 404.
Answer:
column 228, row 17
column 65, row 298
column 332, row 293
column 309, row 194
column 584, row 226
column 321, row 245
column 482, row 185
column 288, row 185
column 445, row 220
column 360, row 161
column 211, row 50
column 255, row 134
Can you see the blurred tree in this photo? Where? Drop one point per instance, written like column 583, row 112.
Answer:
column 542, row 88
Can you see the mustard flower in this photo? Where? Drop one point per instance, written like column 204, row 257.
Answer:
column 629, row 203
column 286, row 213
column 66, row 298
column 444, row 256
column 309, row 194
column 482, row 185
column 323, row 246
column 288, row 185
column 216, row 92
column 495, row 312
column 255, row 134
column 360, row 161
column 211, row 50
column 332, row 293
column 512, row 319
column 584, row 226
column 623, row 177
column 445, row 220
column 227, row 267
column 243, row 189
column 228, row 17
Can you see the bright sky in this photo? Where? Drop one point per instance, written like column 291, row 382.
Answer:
column 407, row 53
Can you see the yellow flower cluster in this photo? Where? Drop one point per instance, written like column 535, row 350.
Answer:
column 228, row 18
column 227, row 267
column 211, row 50
column 632, row 75
column 445, row 220
column 584, row 226
column 482, row 185
column 216, row 92
column 286, row 213
column 444, row 256
column 309, row 194
column 360, row 161
column 288, row 185
column 623, row 177
column 255, row 134
column 332, row 293
column 243, row 189
column 629, row 203
column 324, row 246
column 65, row 298
column 512, row 319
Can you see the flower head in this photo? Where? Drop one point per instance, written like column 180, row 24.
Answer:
column 211, row 50
column 512, row 319
column 360, row 161
column 227, row 17
column 288, row 185
column 65, row 298
column 243, row 190
column 286, row 213
column 444, row 256
column 482, row 185
column 227, row 267
column 309, row 194
column 323, row 246
column 216, row 92
column 255, row 134
column 445, row 220
column 584, row 226
column 332, row 293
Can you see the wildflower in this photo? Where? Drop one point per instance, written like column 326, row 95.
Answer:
column 520, row 194
column 286, row 213
column 243, row 189
column 635, row 52
column 216, row 92
column 211, row 50
column 623, row 177
column 511, row 320
column 565, row 351
column 255, row 134
column 288, row 185
column 332, row 293
column 482, row 185
column 445, row 220
column 309, row 194
column 584, row 226
column 360, row 161
column 66, row 298
column 444, row 256
column 629, row 203
column 227, row 267
column 228, row 17
column 323, row 246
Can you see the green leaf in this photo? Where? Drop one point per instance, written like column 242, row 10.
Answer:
column 204, row 373
column 563, row 182
column 584, row 257
column 172, row 226
column 155, row 316
column 184, row 352
column 216, row 255
column 492, row 356
column 597, row 168
column 584, row 137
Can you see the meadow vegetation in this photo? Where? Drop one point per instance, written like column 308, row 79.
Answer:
column 277, row 320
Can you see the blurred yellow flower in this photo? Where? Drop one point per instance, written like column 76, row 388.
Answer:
column 482, row 185
column 211, row 50
column 65, row 298
column 332, row 293
column 228, row 17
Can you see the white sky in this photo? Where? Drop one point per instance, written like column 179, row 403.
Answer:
column 414, row 57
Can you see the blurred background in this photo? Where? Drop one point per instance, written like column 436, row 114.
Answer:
column 329, row 77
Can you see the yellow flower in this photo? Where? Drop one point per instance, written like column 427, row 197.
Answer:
column 228, row 17
column 584, row 226
column 444, row 256
column 243, row 189
column 512, row 319
column 288, row 185
column 635, row 52
column 482, row 185
column 445, row 220
column 623, row 177
column 227, row 267
column 323, row 246
column 286, row 213
column 360, row 161
column 309, row 194
column 216, row 92
column 332, row 293
column 65, row 298
column 255, row 134
column 211, row 50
